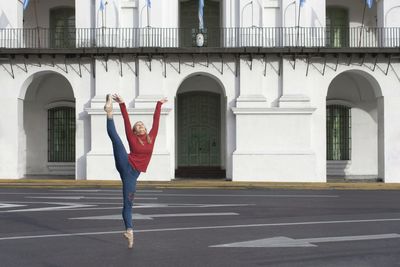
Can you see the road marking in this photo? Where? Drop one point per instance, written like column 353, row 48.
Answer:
column 200, row 228
column 157, row 205
column 187, row 195
column 237, row 195
column 63, row 206
column 101, row 190
column 84, row 197
column 5, row 205
column 138, row 216
column 90, row 206
column 282, row 241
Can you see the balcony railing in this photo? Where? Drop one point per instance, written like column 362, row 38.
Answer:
column 277, row 37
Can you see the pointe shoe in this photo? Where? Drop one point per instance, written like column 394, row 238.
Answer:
column 129, row 235
column 108, row 106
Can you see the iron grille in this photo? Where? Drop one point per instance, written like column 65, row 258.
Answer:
column 338, row 129
column 61, row 134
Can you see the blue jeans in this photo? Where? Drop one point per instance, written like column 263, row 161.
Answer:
column 127, row 173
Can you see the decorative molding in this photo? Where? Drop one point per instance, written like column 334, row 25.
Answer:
column 251, row 98
column 294, row 98
column 131, row 111
column 102, row 154
column 273, row 111
column 271, row 3
column 129, row 4
column 270, row 152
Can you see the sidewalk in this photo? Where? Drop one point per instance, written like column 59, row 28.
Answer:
column 194, row 184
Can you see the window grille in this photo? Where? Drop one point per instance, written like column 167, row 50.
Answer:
column 61, row 134
column 338, row 130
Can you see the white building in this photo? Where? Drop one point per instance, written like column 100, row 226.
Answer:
column 278, row 92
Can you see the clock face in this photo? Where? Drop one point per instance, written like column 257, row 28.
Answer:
column 199, row 39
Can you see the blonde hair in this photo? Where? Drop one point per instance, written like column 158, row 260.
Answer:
column 148, row 139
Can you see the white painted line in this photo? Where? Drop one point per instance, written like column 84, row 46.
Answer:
column 105, row 190
column 5, row 205
column 201, row 228
column 61, row 197
column 282, row 241
column 156, row 205
column 189, row 195
column 64, row 206
column 83, row 197
column 138, row 216
column 58, row 235
column 238, row 195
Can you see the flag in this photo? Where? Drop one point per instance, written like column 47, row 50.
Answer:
column 201, row 7
column 26, row 3
column 102, row 5
column 369, row 3
column 148, row 3
column 302, row 2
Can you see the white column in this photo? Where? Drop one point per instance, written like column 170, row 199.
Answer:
column 391, row 141
column 251, row 83
column 294, row 84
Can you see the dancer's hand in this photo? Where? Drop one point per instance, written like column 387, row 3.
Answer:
column 163, row 100
column 117, row 98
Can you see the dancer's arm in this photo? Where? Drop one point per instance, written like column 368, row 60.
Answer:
column 156, row 117
column 125, row 116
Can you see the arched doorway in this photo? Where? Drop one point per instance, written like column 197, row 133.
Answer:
column 354, row 125
column 49, row 124
column 200, row 132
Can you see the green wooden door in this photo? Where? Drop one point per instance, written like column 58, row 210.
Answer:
column 337, row 26
column 199, row 130
column 62, row 27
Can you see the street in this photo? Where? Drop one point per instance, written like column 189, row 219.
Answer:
column 200, row 227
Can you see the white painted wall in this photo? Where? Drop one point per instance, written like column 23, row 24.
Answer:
column 20, row 161
column 275, row 124
column 354, row 91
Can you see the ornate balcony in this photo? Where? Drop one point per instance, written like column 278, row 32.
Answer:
column 297, row 37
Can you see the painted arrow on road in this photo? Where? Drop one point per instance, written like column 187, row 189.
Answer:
column 138, row 216
column 282, row 241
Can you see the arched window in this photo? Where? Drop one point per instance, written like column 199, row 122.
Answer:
column 338, row 130
column 61, row 134
column 62, row 27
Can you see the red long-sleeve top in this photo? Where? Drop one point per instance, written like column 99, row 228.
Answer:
column 140, row 155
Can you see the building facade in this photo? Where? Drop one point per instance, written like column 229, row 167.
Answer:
column 268, row 90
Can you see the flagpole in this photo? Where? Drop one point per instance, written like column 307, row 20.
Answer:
column 362, row 22
column 37, row 23
column 105, row 14
column 298, row 24
column 148, row 14
column 252, row 13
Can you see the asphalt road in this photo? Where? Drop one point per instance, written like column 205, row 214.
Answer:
column 83, row 227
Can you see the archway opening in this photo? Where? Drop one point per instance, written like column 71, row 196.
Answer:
column 48, row 128
column 354, row 128
column 200, row 142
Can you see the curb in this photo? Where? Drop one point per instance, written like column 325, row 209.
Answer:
column 196, row 184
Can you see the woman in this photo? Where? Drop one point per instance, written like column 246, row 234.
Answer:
column 130, row 165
